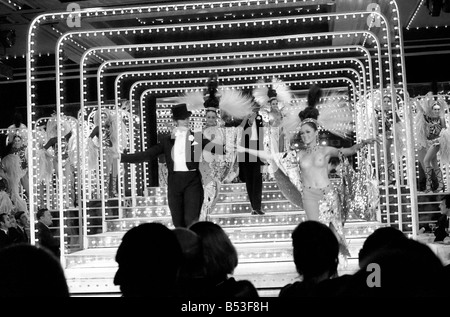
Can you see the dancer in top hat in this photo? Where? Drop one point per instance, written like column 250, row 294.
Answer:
column 230, row 105
column 182, row 150
column 250, row 166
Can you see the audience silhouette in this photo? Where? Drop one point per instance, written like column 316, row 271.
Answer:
column 380, row 238
column 149, row 258
column 30, row 271
column 316, row 250
column 401, row 268
column 220, row 258
column 191, row 276
column 199, row 261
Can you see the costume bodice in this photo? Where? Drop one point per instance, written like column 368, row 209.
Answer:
column 434, row 127
column 106, row 136
column 64, row 148
column 20, row 152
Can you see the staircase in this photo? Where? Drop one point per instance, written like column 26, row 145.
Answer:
column 263, row 242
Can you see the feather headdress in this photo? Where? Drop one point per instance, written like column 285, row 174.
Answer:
column 211, row 97
column 333, row 115
column 426, row 104
column 193, row 99
column 231, row 101
column 277, row 89
column 113, row 121
column 68, row 123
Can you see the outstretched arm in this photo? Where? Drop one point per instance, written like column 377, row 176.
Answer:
column 354, row 149
column 50, row 142
column 261, row 154
column 140, row 157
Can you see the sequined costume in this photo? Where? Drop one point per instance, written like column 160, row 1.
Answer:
column 21, row 152
column 209, row 169
column 429, row 129
column 12, row 172
column 48, row 157
column 354, row 196
column 432, row 136
column 20, row 149
column 389, row 127
column 303, row 177
column 326, row 199
column 6, row 204
column 113, row 142
column 330, row 211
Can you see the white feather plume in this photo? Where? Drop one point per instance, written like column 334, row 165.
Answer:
column 290, row 123
column 194, row 100
column 235, row 103
column 260, row 92
column 335, row 116
column 284, row 94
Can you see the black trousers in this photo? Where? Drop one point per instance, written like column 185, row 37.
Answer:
column 185, row 197
column 250, row 173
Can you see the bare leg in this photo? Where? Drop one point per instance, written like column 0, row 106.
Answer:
column 431, row 164
column 422, row 177
column 430, row 159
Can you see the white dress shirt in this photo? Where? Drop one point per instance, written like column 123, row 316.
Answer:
column 179, row 150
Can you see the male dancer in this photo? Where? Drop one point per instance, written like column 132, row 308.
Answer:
column 182, row 151
column 250, row 166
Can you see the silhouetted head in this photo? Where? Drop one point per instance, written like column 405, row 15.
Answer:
column 316, row 250
column 402, row 268
column 380, row 238
column 219, row 254
column 29, row 271
column 149, row 257
column 190, row 243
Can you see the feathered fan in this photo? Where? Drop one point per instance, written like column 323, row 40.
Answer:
column 264, row 92
column 335, row 116
column 231, row 101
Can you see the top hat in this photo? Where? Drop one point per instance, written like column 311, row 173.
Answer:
column 180, row 112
